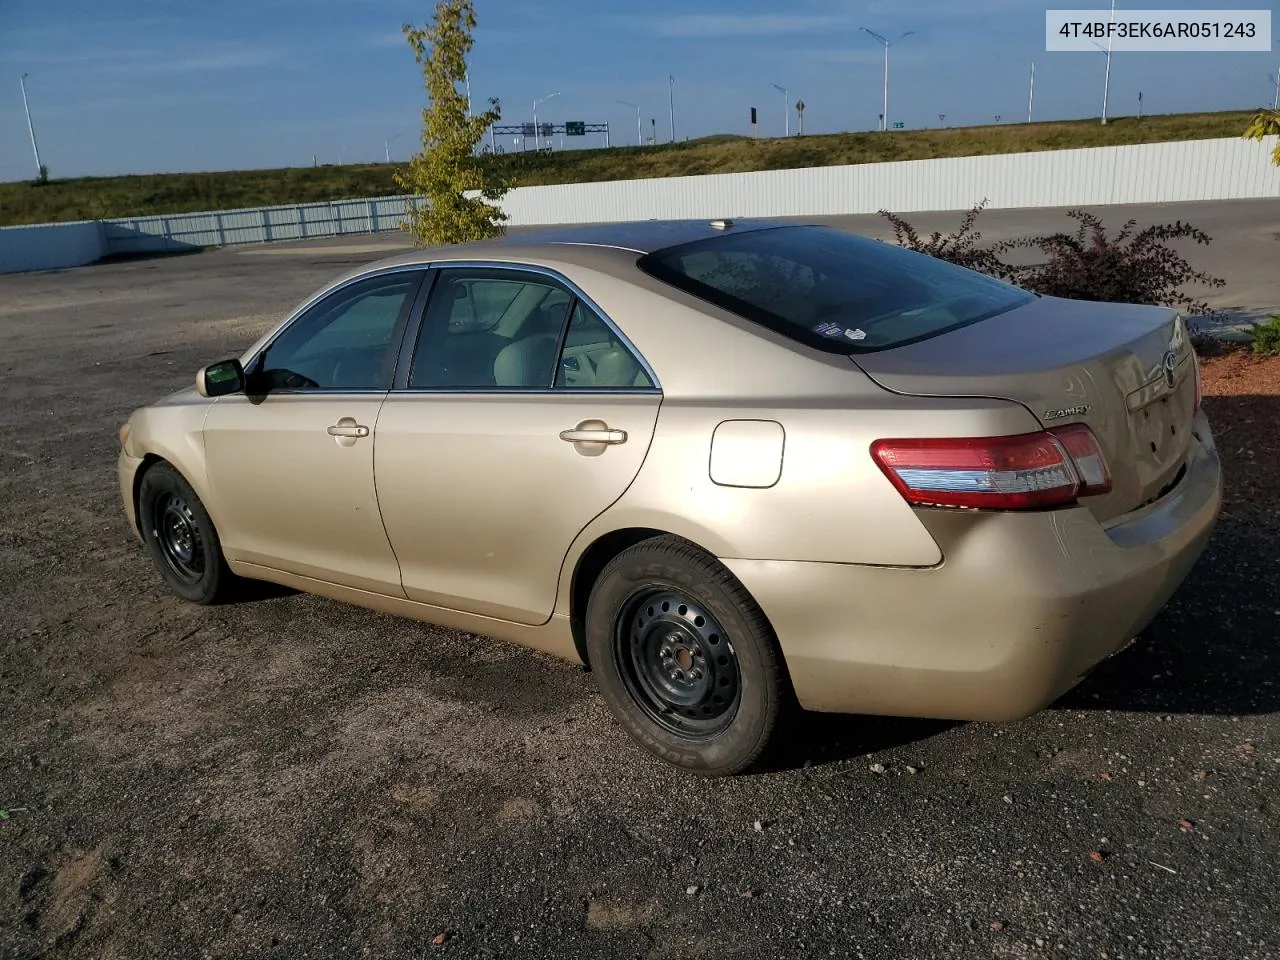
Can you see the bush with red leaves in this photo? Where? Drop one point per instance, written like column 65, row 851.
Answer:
column 1133, row 266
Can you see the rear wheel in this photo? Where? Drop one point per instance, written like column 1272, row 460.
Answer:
column 181, row 538
column 684, row 657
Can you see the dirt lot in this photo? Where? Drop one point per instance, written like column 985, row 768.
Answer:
column 291, row 777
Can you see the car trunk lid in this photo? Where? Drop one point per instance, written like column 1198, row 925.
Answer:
column 1125, row 370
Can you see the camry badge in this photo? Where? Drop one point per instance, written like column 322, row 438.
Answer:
column 1079, row 411
column 1169, row 365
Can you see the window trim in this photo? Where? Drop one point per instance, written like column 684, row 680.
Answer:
column 409, row 345
column 405, row 321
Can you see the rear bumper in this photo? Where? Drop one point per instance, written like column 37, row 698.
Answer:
column 1022, row 606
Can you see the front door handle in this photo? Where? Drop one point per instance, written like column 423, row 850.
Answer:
column 348, row 430
column 580, row 434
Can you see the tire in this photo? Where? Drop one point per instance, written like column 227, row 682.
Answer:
column 699, row 682
column 181, row 538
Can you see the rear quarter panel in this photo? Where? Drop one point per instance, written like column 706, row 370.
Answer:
column 830, row 503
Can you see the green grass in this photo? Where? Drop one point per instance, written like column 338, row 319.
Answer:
column 90, row 198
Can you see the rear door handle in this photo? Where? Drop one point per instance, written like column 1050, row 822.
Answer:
column 347, row 428
column 605, row 435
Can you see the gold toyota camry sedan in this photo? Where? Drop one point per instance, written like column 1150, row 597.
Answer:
column 733, row 467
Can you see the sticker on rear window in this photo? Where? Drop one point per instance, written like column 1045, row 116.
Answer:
column 837, row 331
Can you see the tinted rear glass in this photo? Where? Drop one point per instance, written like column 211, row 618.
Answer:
column 830, row 289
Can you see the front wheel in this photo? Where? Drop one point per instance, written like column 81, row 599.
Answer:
column 684, row 657
column 181, row 538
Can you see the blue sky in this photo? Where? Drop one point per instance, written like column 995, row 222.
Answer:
column 120, row 86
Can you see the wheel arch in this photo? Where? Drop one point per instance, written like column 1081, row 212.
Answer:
column 591, row 563
column 148, row 461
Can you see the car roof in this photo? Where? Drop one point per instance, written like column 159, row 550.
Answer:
column 582, row 243
column 639, row 236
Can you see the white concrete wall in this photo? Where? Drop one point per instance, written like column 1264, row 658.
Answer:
column 51, row 246
column 1225, row 169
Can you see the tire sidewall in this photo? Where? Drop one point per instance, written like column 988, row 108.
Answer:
column 732, row 748
column 162, row 478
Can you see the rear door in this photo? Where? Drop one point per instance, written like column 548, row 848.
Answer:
column 523, row 415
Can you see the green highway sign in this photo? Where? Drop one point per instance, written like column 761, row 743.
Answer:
column 575, row 128
column 898, row 124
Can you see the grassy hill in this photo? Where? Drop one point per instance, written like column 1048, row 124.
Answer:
column 90, row 198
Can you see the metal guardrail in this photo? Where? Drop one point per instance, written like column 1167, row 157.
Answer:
column 301, row 221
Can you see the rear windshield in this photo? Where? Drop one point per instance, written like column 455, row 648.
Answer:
column 830, row 289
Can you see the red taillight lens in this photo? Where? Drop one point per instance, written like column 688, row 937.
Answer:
column 1086, row 455
column 1027, row 471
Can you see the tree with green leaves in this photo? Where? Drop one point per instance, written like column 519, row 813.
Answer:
column 1265, row 123
column 448, row 167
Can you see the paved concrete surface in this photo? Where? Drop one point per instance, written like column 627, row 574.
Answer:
column 291, row 777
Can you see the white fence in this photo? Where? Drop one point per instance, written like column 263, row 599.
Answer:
column 1225, row 169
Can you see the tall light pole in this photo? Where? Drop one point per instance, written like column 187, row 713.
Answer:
column 639, row 131
column 1275, row 104
column 1031, row 97
column 537, row 137
column 786, row 108
column 884, row 117
column 1106, row 83
column 671, row 104
column 30, row 126
column 386, row 144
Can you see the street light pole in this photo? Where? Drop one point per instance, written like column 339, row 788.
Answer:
column 639, row 131
column 537, row 136
column 1275, row 104
column 1106, row 84
column 884, row 117
column 786, row 108
column 30, row 126
column 671, row 104
column 1031, row 97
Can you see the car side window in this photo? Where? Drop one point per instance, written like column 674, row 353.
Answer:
column 495, row 329
column 342, row 342
column 594, row 358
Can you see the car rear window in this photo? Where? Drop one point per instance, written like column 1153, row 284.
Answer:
column 832, row 290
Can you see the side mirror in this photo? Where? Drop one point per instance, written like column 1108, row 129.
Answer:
column 220, row 379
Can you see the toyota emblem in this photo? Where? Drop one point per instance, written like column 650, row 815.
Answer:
column 1170, row 367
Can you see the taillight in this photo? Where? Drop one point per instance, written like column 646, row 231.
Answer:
column 1028, row 471
column 1082, row 447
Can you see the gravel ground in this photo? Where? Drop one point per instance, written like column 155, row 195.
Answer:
column 291, row 777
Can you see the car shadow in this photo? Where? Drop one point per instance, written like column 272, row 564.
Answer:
column 815, row 739
column 255, row 591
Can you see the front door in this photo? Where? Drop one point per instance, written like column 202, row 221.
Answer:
column 504, row 444
column 290, row 462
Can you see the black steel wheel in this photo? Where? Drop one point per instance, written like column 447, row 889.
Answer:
column 177, row 534
column 677, row 663
column 181, row 538
column 685, row 658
